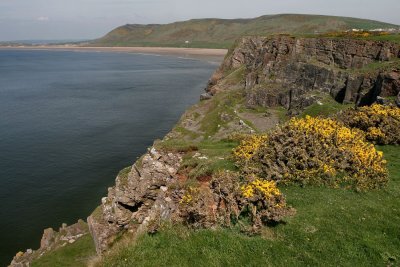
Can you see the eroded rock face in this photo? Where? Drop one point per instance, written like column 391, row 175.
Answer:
column 137, row 199
column 281, row 69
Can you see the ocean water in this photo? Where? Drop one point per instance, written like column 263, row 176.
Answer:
column 69, row 121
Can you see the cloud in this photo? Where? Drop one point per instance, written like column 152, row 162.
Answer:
column 42, row 18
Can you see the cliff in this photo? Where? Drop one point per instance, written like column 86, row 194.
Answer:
column 289, row 71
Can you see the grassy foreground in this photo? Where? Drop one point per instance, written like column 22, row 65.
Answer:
column 332, row 227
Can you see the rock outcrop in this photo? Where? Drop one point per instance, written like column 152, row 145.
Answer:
column 287, row 71
column 139, row 198
column 51, row 240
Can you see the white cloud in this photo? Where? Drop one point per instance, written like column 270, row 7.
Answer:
column 42, row 18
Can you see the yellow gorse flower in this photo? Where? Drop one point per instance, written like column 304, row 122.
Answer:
column 267, row 189
column 346, row 139
column 188, row 196
column 249, row 146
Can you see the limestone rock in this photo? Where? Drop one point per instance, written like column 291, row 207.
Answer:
column 137, row 200
column 47, row 238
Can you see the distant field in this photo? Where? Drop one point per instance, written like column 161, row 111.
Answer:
column 221, row 33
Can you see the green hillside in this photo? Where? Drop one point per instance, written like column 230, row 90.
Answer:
column 221, row 33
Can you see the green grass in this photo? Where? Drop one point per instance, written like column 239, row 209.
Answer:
column 123, row 175
column 332, row 227
column 224, row 102
column 392, row 38
column 374, row 67
column 76, row 254
column 218, row 156
column 329, row 106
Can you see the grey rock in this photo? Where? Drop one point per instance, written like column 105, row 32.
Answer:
column 133, row 203
column 205, row 96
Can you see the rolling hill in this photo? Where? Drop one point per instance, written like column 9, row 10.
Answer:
column 221, row 33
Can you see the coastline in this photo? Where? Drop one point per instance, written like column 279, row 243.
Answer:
column 214, row 55
column 208, row 54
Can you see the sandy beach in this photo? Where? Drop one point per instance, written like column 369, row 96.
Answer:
column 213, row 55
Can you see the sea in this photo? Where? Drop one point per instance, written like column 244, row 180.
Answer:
column 70, row 120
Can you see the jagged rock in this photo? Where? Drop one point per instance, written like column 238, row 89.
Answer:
column 48, row 238
column 136, row 200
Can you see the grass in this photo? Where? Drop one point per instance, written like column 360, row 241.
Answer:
column 329, row 106
column 123, row 175
column 217, row 157
column 224, row 102
column 332, row 227
column 391, row 37
column 76, row 254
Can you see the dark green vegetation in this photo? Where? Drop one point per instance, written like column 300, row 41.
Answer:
column 76, row 254
column 221, row 33
column 332, row 227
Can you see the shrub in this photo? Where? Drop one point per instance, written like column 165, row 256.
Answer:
column 316, row 151
column 263, row 201
column 230, row 196
column 380, row 123
column 248, row 146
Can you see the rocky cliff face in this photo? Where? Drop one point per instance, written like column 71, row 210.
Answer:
column 288, row 71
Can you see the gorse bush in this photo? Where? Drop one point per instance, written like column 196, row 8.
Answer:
column 231, row 196
column 263, row 201
column 249, row 145
column 380, row 123
column 316, row 151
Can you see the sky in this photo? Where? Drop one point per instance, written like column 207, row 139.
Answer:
column 89, row 19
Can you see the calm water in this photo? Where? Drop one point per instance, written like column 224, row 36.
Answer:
column 69, row 121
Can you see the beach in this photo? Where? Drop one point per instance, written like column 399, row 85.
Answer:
column 213, row 55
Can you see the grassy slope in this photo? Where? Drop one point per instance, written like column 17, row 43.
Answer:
column 332, row 227
column 76, row 254
column 219, row 33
